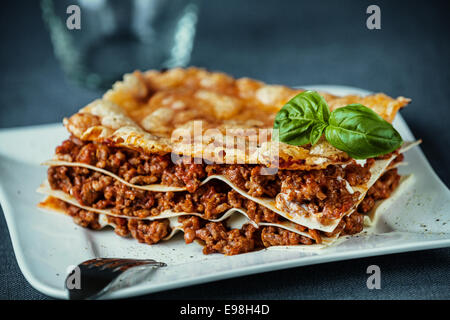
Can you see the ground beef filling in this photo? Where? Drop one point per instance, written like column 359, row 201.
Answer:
column 94, row 189
column 381, row 190
column 323, row 191
column 214, row 236
column 133, row 166
column 99, row 191
column 144, row 231
column 102, row 192
column 316, row 190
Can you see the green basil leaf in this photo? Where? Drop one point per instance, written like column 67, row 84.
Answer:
column 316, row 132
column 361, row 132
column 303, row 119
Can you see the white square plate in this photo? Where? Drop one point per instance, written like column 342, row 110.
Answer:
column 46, row 244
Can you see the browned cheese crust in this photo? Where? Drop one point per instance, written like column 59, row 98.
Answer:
column 151, row 111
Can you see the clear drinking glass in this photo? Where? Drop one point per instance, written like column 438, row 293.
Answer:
column 119, row 36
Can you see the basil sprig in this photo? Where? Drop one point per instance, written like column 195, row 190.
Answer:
column 303, row 119
column 355, row 129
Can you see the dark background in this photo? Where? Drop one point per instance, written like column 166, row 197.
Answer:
column 286, row 42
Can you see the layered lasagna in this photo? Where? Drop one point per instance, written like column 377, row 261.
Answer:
column 182, row 150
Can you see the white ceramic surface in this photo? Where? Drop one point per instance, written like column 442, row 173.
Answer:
column 46, row 243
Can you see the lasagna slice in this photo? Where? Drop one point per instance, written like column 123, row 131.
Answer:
column 182, row 150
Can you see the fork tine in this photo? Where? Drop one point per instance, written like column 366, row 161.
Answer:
column 97, row 274
column 98, row 262
column 114, row 264
column 132, row 264
column 149, row 260
column 127, row 265
column 101, row 261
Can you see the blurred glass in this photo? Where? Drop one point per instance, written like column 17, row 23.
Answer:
column 120, row 36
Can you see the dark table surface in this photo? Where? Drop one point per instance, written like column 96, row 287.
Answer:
column 286, row 42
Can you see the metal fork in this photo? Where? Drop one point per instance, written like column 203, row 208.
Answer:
column 97, row 275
